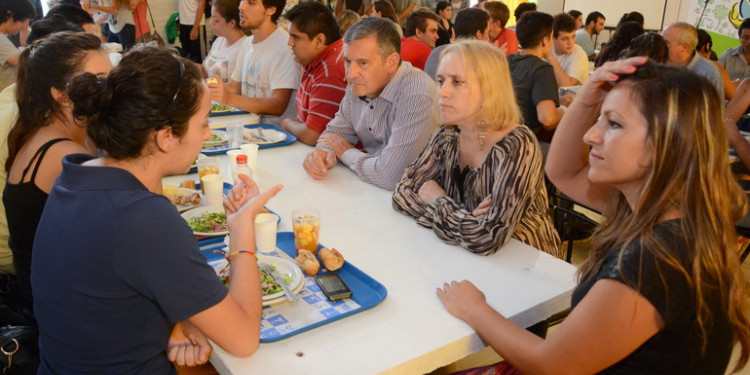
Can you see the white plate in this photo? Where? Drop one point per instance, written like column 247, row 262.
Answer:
column 283, row 266
column 222, row 135
column 185, row 207
column 273, row 136
column 200, row 210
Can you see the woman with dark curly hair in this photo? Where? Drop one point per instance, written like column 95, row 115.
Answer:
column 621, row 39
column 651, row 45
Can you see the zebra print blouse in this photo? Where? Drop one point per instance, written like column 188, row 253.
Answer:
column 512, row 174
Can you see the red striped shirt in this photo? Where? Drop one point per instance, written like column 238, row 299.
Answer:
column 321, row 88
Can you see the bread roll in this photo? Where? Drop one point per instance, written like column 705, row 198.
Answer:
column 307, row 261
column 331, row 258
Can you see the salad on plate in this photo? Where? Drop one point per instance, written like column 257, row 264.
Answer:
column 209, row 222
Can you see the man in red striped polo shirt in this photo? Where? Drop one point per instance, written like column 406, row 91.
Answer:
column 316, row 43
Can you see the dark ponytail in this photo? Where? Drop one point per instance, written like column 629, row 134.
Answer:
column 47, row 63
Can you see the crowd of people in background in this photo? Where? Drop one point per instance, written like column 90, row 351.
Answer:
column 469, row 117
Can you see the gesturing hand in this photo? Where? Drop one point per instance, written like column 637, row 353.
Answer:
column 246, row 199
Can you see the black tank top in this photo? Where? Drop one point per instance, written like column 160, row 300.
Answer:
column 24, row 203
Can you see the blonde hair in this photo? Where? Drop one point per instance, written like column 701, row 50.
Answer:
column 689, row 172
column 346, row 19
column 490, row 67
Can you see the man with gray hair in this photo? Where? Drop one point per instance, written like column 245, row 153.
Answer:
column 681, row 40
column 389, row 109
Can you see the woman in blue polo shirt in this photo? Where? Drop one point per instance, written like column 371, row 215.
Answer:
column 117, row 254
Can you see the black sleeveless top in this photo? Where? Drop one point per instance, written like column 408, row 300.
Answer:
column 24, row 203
column 444, row 35
column 677, row 348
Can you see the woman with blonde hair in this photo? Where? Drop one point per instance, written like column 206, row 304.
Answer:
column 346, row 19
column 479, row 181
column 662, row 291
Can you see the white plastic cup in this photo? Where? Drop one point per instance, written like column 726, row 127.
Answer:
column 234, row 134
column 206, row 166
column 251, row 150
column 213, row 186
column 266, row 226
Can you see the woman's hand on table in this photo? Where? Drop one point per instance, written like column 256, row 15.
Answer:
column 429, row 191
column 460, row 298
column 603, row 79
column 187, row 346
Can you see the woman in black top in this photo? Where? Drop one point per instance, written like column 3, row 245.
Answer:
column 44, row 132
column 662, row 291
column 446, row 34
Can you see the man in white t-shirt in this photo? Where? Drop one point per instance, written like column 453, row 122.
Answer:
column 14, row 15
column 570, row 63
column 266, row 75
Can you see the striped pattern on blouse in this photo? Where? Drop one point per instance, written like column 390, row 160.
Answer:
column 512, row 175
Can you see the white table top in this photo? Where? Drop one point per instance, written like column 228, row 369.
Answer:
column 409, row 332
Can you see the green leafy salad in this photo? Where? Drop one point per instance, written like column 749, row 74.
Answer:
column 209, row 222
column 214, row 138
column 220, row 108
column 267, row 283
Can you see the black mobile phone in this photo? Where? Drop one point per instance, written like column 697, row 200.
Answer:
column 333, row 286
